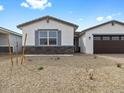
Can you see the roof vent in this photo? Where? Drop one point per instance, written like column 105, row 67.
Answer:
column 113, row 24
column 47, row 19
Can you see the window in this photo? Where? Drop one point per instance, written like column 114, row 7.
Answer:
column 52, row 38
column 43, row 34
column 122, row 37
column 52, row 34
column 43, row 38
column 52, row 41
column 97, row 38
column 48, row 38
column 43, row 41
column 106, row 37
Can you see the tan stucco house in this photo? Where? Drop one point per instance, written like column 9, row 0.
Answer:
column 50, row 35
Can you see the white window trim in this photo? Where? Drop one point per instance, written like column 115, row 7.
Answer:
column 39, row 37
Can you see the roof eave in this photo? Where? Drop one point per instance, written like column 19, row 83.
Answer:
column 102, row 24
column 9, row 31
column 35, row 20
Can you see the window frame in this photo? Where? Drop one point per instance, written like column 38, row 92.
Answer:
column 48, row 38
column 106, row 38
column 97, row 38
column 122, row 37
column 115, row 38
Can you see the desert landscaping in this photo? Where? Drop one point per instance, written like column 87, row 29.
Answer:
column 62, row 74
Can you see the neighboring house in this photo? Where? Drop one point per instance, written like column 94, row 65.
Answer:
column 104, row 38
column 49, row 35
column 13, row 37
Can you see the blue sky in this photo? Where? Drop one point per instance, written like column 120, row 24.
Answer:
column 85, row 13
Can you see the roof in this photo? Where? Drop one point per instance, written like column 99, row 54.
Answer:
column 49, row 17
column 10, row 31
column 112, row 21
column 77, row 34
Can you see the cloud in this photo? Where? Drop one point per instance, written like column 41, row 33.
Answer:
column 36, row 4
column 100, row 18
column 80, row 19
column 1, row 8
column 117, row 14
column 23, row 4
column 109, row 17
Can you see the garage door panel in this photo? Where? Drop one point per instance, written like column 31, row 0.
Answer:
column 109, row 46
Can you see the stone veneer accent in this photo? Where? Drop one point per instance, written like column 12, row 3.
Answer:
column 49, row 50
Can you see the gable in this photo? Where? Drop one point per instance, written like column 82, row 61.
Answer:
column 48, row 19
column 111, row 25
column 52, row 24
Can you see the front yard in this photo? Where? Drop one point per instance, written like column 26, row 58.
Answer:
column 71, row 74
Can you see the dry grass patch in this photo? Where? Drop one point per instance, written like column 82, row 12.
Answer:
column 76, row 74
column 80, row 61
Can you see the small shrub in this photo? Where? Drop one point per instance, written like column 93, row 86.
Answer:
column 119, row 65
column 57, row 58
column 95, row 57
column 40, row 68
column 91, row 74
column 29, row 60
column 91, row 77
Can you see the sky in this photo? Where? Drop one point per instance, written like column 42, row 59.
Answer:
column 85, row 13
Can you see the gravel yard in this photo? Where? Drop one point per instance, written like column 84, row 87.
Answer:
column 61, row 75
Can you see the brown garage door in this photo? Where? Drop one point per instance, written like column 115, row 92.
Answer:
column 108, row 44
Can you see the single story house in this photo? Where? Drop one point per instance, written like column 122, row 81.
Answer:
column 13, row 38
column 50, row 35
column 104, row 38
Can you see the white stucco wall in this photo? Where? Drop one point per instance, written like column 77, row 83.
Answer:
column 13, row 42
column 67, row 32
column 82, row 43
column 105, row 30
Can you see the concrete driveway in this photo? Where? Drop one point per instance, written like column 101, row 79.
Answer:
column 116, row 57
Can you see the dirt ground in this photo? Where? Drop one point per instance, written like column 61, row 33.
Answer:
column 115, row 57
column 69, row 74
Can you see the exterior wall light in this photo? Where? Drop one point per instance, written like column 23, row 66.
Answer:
column 89, row 38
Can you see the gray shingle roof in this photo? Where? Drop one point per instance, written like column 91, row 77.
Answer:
column 10, row 31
